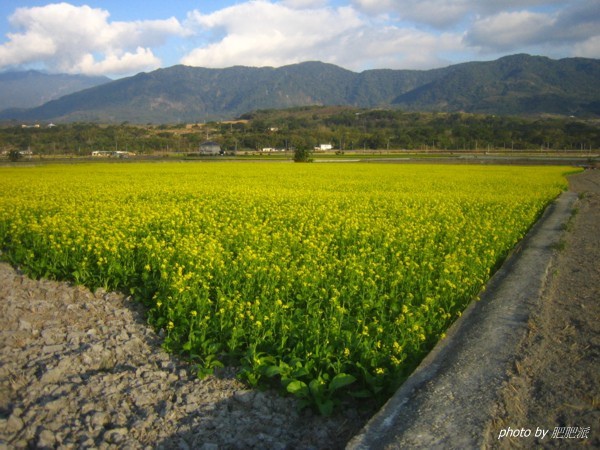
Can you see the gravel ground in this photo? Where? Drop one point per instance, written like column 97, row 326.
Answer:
column 83, row 370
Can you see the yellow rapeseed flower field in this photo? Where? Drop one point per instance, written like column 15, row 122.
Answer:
column 330, row 277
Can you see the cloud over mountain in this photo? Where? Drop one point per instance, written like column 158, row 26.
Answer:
column 261, row 33
column 355, row 34
column 80, row 39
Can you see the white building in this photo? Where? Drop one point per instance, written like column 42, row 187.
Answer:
column 210, row 148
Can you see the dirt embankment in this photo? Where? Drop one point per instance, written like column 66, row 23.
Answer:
column 555, row 382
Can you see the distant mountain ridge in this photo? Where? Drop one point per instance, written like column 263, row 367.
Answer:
column 515, row 85
column 31, row 88
column 518, row 84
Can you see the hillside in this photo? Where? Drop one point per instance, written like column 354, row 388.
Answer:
column 513, row 85
column 31, row 88
column 518, row 84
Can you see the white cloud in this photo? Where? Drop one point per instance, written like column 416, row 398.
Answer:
column 301, row 4
column 374, row 6
column 569, row 31
column 397, row 48
column 579, row 22
column 259, row 33
column 439, row 13
column 264, row 33
column 589, row 48
column 72, row 39
column 444, row 13
column 508, row 31
column 117, row 62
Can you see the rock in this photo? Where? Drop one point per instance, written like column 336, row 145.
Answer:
column 57, row 348
column 86, row 408
column 209, row 446
column 115, row 436
column 163, row 408
column 244, row 397
column 169, row 365
column 14, row 424
column 53, row 375
column 24, row 325
column 52, row 336
column 172, row 378
column 56, row 405
column 261, row 403
column 75, row 337
column 46, row 439
column 99, row 419
column 142, row 399
column 88, row 443
column 91, row 332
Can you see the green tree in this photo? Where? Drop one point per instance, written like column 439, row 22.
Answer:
column 302, row 154
column 15, row 155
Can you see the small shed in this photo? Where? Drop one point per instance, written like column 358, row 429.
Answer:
column 210, row 148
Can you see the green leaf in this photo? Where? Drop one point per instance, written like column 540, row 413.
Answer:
column 251, row 378
column 341, row 380
column 363, row 393
column 203, row 371
column 215, row 363
column 325, row 408
column 271, row 371
column 298, row 388
column 317, row 388
column 300, row 372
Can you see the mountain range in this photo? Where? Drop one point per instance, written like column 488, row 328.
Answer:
column 512, row 85
column 33, row 88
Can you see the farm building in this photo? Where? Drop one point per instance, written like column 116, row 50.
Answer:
column 111, row 154
column 210, row 148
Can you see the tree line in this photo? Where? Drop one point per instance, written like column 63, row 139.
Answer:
column 345, row 128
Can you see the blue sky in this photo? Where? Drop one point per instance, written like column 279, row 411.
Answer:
column 123, row 37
